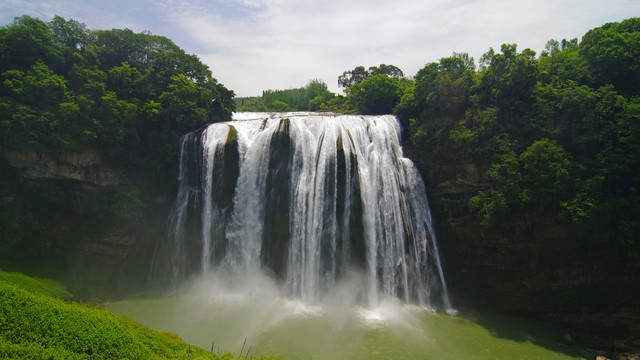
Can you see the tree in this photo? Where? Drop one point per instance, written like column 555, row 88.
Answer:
column 613, row 54
column 546, row 172
column 26, row 42
column 310, row 97
column 563, row 63
column 377, row 94
column 63, row 87
column 352, row 77
column 384, row 69
column 71, row 38
column 442, row 88
column 440, row 97
column 508, row 80
column 359, row 74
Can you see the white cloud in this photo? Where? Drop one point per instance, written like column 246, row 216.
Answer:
column 285, row 43
column 252, row 45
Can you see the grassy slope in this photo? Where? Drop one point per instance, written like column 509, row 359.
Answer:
column 38, row 285
column 35, row 323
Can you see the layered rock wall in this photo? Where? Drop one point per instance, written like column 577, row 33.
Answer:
column 85, row 166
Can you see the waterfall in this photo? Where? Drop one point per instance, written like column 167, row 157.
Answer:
column 308, row 199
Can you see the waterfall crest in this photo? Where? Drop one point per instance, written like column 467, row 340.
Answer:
column 309, row 199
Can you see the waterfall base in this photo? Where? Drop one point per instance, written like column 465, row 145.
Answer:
column 210, row 312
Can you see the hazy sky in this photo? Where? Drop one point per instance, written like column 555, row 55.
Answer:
column 252, row 45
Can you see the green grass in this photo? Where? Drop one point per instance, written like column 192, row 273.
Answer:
column 37, row 323
column 38, row 285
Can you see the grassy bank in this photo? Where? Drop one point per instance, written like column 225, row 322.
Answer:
column 37, row 323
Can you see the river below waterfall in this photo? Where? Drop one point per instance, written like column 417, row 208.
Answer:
column 208, row 312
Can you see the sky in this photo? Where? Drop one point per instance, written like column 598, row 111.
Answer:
column 255, row 45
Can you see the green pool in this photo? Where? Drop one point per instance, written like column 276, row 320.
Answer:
column 267, row 324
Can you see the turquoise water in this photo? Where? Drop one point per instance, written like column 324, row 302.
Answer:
column 208, row 315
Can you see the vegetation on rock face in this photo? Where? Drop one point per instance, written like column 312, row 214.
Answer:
column 559, row 131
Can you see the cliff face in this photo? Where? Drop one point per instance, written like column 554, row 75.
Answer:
column 84, row 167
column 75, row 210
column 534, row 265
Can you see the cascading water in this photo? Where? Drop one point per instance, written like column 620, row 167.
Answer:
column 308, row 199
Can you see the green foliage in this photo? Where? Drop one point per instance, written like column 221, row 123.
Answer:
column 547, row 172
column 613, row 54
column 558, row 132
column 36, row 325
column 281, row 106
column 314, row 96
column 507, row 81
column 462, row 135
column 378, row 90
column 538, row 176
column 505, row 172
column 377, row 94
column 490, row 205
column 359, row 74
column 130, row 95
column 36, row 285
column 586, row 202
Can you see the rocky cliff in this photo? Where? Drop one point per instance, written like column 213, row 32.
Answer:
column 85, row 167
column 534, row 264
column 77, row 211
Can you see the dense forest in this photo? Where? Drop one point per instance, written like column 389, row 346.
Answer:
column 560, row 131
column 129, row 95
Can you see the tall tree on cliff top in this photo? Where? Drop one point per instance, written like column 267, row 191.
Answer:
column 373, row 91
column 359, row 74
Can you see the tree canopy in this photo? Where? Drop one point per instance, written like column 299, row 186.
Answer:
column 359, row 74
column 131, row 95
column 559, row 131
